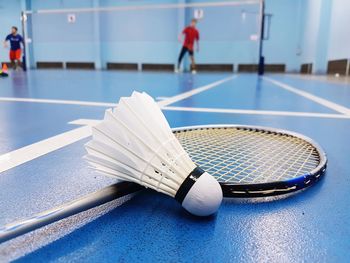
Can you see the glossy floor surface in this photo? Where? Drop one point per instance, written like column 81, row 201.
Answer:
column 310, row 226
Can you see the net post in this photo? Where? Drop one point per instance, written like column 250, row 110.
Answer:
column 23, row 21
column 261, row 67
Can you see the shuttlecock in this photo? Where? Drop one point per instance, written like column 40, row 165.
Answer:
column 134, row 143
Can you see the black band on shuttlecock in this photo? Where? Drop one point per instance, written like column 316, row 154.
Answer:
column 188, row 183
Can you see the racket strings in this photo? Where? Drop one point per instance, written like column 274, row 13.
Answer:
column 256, row 163
column 234, row 160
column 235, row 155
column 288, row 167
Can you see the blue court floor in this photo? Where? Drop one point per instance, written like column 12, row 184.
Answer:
column 35, row 107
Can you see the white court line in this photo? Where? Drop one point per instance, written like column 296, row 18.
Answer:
column 92, row 122
column 35, row 150
column 259, row 112
column 190, row 93
column 324, row 102
column 67, row 102
column 165, row 102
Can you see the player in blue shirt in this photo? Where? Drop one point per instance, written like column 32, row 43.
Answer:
column 15, row 47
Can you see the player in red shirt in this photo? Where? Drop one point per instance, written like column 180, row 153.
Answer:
column 191, row 37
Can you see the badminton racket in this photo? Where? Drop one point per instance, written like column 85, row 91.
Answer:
column 248, row 161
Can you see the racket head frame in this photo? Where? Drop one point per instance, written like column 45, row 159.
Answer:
column 274, row 187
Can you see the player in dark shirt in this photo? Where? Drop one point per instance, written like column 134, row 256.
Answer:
column 15, row 47
column 191, row 37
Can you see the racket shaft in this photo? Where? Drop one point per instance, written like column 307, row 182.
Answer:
column 89, row 201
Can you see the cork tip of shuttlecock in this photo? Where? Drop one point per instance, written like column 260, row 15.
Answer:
column 205, row 196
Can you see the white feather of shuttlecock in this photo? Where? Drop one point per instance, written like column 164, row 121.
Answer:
column 135, row 143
